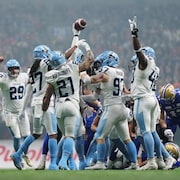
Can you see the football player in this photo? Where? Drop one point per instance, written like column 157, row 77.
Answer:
column 37, row 86
column 169, row 99
column 146, row 108
column 64, row 81
column 114, row 113
column 13, row 86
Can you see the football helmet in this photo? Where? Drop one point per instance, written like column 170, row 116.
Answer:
column 173, row 149
column 107, row 58
column 57, row 59
column 13, row 68
column 41, row 52
column 167, row 92
column 148, row 51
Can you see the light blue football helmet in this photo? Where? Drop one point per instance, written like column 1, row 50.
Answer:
column 41, row 52
column 107, row 58
column 57, row 59
column 13, row 68
column 148, row 51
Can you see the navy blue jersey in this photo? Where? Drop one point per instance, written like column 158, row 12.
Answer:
column 172, row 109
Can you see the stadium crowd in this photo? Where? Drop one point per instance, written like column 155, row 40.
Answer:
column 23, row 27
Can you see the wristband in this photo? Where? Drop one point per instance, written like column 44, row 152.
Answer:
column 76, row 35
column 138, row 50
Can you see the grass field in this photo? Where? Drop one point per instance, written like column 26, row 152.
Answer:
column 7, row 174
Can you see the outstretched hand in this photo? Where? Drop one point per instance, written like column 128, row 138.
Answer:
column 133, row 26
column 75, row 32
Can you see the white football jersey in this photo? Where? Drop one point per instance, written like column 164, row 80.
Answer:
column 38, row 82
column 113, row 89
column 144, row 82
column 12, row 90
column 66, row 82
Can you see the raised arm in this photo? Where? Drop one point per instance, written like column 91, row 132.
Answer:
column 136, row 44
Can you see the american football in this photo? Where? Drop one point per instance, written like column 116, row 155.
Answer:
column 80, row 24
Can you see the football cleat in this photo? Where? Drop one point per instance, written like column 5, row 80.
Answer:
column 98, row 166
column 150, row 165
column 17, row 160
column 160, row 162
column 27, row 160
column 133, row 166
column 53, row 167
column 63, row 166
column 169, row 162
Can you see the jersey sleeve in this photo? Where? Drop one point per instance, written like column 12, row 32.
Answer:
column 3, row 77
column 50, row 75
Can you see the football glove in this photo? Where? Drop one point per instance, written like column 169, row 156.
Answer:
column 75, row 32
column 80, row 42
column 133, row 26
column 83, row 44
column 169, row 134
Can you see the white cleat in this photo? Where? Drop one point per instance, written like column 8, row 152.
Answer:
column 160, row 162
column 98, row 166
column 27, row 160
column 150, row 165
column 41, row 166
column 133, row 166
column 169, row 162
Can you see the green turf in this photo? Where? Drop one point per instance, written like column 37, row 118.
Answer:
column 7, row 174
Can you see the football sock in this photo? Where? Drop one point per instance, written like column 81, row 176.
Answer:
column 67, row 149
column 132, row 151
column 52, row 144
column 16, row 143
column 79, row 144
column 149, row 144
column 59, row 150
column 45, row 148
column 121, row 146
column 25, row 145
column 101, row 152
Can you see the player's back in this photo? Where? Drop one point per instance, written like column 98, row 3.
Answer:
column 66, row 82
column 113, row 89
column 38, row 81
